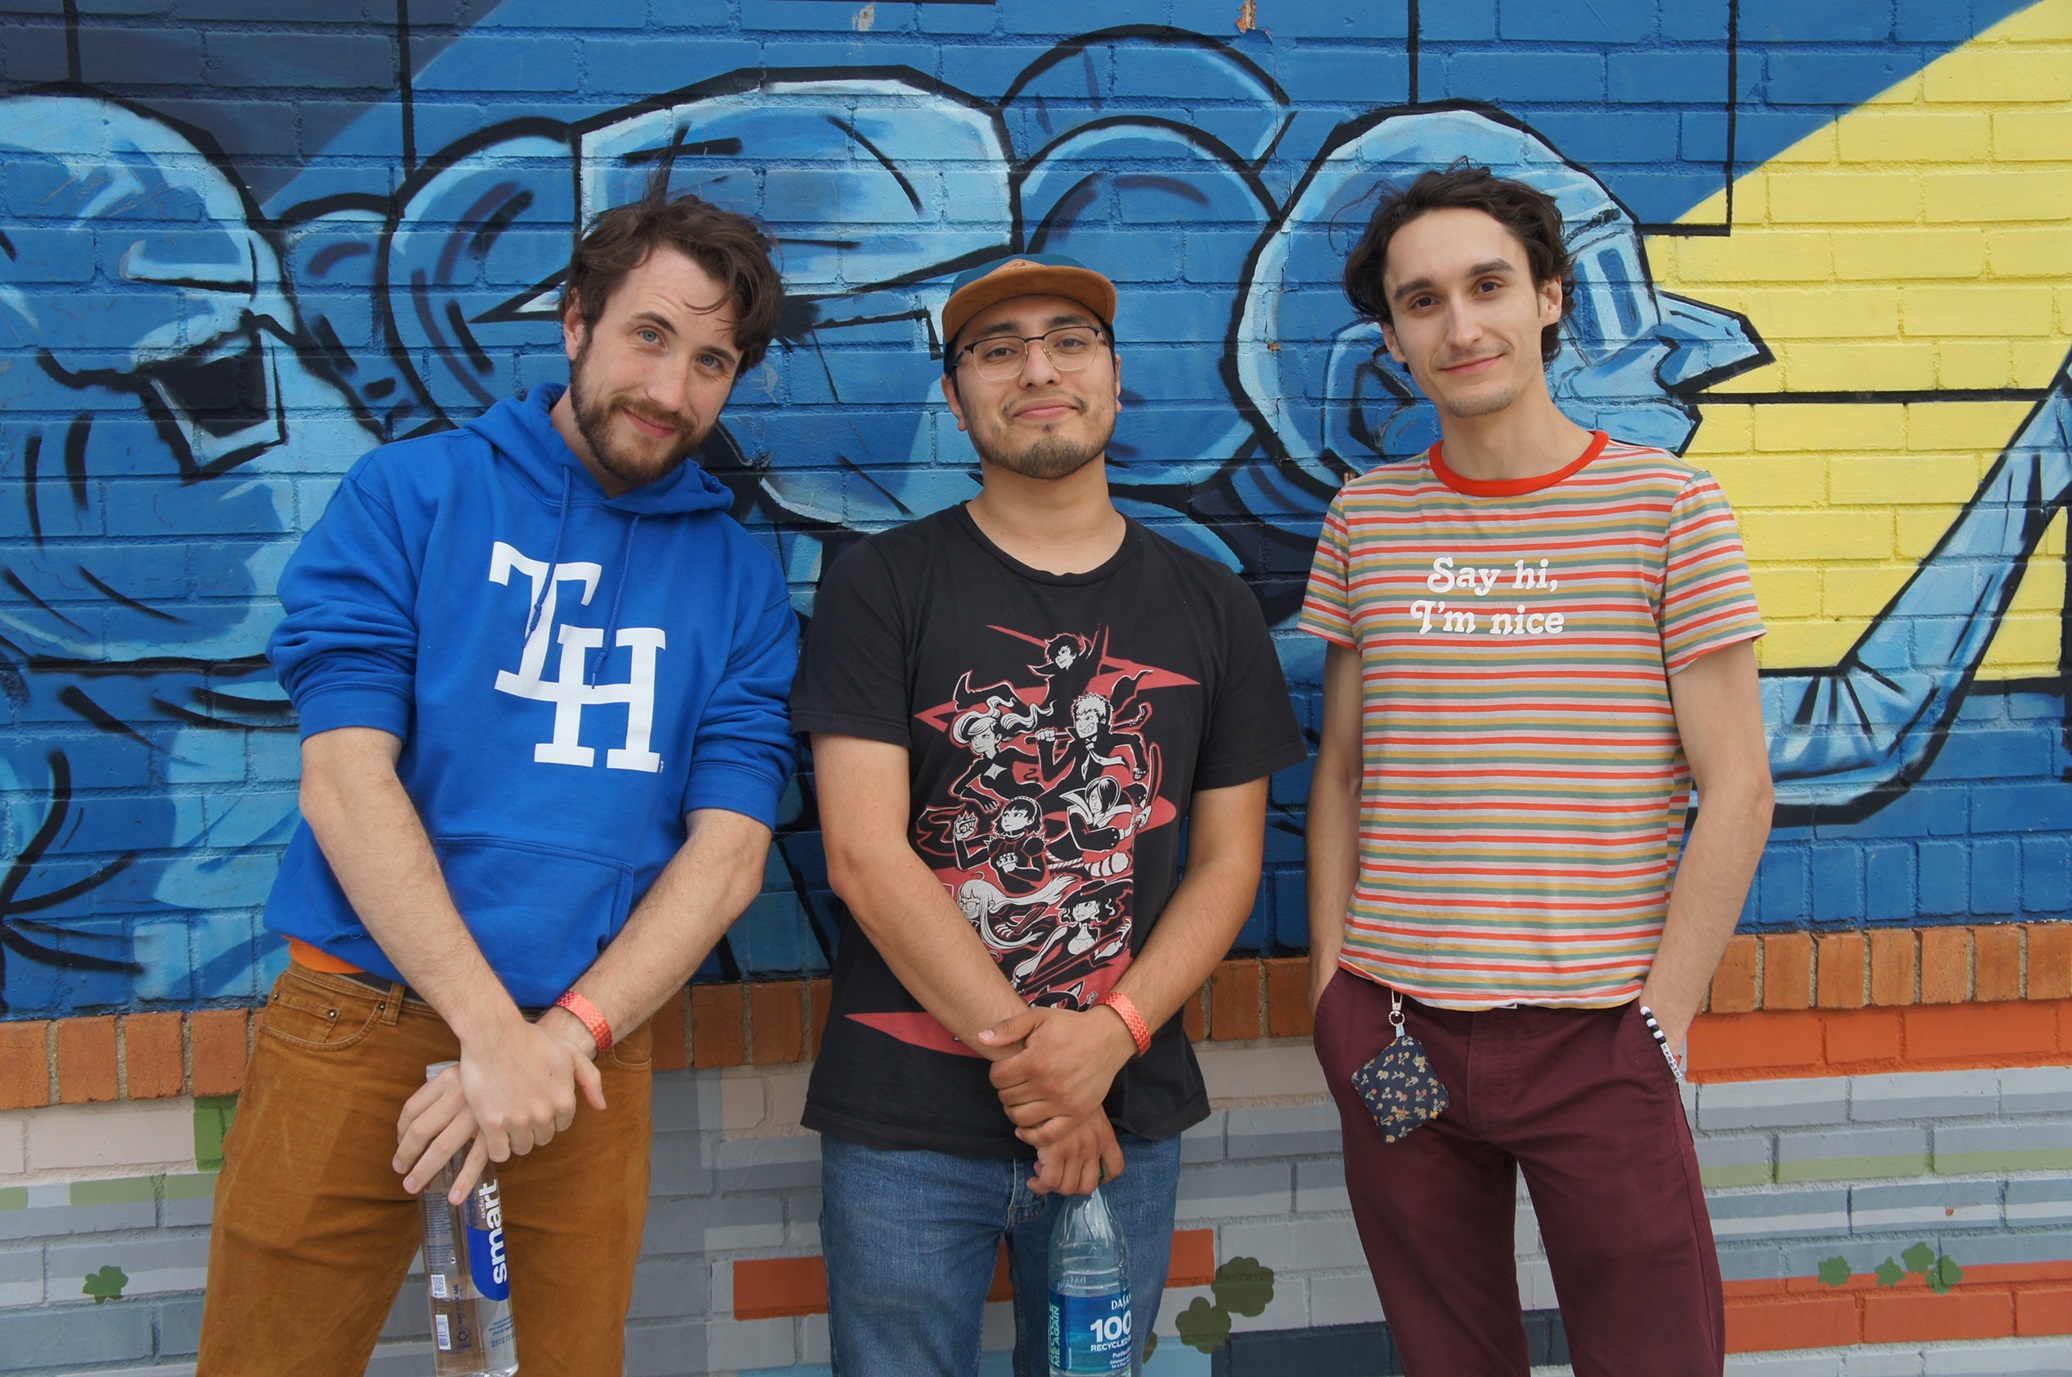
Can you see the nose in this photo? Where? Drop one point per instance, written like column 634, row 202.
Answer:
column 1463, row 328
column 1037, row 368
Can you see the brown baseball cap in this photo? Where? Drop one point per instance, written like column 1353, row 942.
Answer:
column 1024, row 274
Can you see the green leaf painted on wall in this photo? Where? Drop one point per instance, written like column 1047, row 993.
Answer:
column 1890, row 1273
column 1244, row 1286
column 1203, row 1327
column 1945, row 1274
column 1919, row 1258
column 1834, row 1272
column 106, row 1284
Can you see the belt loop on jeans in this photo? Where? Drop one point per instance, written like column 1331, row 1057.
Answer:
column 391, row 1007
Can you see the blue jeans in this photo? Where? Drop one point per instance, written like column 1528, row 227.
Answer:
column 910, row 1240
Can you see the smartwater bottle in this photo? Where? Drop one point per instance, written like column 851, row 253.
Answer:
column 1089, row 1291
column 468, row 1273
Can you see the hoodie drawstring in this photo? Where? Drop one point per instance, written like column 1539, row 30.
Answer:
column 611, row 621
column 539, row 598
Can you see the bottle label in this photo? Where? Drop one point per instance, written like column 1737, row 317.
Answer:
column 486, row 1261
column 1090, row 1333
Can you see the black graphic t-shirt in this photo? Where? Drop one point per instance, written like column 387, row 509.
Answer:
column 1057, row 725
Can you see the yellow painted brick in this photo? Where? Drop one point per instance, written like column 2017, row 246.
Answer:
column 1799, row 645
column 1769, row 480
column 2002, row 194
column 1910, row 254
column 1722, row 429
column 1860, row 592
column 1754, row 257
column 2036, row 361
column 1875, row 135
column 2032, row 135
column 2065, row 310
column 1844, row 198
column 2012, row 310
column 1909, row 480
column 2025, row 644
column 1875, row 428
column 2029, row 251
column 1786, row 590
column 1829, row 534
column 1786, row 314
column 2049, row 22
column 1979, row 430
column 2052, row 546
column 1852, row 366
column 1994, row 74
column 1971, row 363
column 1918, row 530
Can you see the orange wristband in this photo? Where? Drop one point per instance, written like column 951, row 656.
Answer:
column 1140, row 1032
column 592, row 1020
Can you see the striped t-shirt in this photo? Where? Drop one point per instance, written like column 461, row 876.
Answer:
column 1523, row 786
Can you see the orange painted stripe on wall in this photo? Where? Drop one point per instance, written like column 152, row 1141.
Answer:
column 1787, row 1044
column 1993, row 1301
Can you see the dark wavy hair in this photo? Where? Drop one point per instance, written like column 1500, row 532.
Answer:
column 1527, row 212
column 732, row 248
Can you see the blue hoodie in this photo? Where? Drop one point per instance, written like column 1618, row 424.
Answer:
column 556, row 731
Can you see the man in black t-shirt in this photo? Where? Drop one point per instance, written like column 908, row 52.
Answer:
column 1014, row 706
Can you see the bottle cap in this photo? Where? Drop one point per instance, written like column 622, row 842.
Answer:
column 432, row 1071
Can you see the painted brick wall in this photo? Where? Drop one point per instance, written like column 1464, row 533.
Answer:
column 1824, row 250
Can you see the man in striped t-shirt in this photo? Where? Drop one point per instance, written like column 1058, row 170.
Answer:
column 1539, row 640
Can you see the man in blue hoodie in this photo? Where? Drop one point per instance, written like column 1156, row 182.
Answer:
column 541, row 677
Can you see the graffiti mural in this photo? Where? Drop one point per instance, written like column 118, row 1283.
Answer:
column 201, row 333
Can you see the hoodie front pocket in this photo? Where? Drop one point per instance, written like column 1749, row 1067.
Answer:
column 540, row 914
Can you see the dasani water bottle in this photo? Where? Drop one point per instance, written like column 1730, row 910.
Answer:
column 468, row 1272
column 1089, row 1291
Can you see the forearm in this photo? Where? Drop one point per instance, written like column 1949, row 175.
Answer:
column 928, row 943
column 1719, row 861
column 377, row 847
column 1202, row 917
column 1332, row 825
column 714, row 876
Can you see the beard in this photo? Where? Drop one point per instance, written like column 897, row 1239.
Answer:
column 1486, row 404
column 634, row 467
column 1047, row 460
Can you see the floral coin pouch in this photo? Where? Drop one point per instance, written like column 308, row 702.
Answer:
column 1401, row 1089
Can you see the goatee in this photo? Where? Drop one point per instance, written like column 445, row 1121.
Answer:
column 1046, row 460
column 594, row 424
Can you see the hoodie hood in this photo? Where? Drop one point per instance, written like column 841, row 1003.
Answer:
column 524, row 433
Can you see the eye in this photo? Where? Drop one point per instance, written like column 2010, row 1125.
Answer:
column 1070, row 341
column 999, row 351
column 647, row 334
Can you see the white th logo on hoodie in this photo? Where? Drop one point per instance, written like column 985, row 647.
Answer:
column 569, row 690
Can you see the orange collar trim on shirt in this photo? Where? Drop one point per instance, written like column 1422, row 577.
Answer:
column 1512, row 487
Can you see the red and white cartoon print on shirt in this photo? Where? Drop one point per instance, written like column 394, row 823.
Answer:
column 1035, row 838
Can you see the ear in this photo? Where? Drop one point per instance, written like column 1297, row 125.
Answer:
column 1388, row 337
column 1550, row 301
column 949, row 394
column 1115, row 363
column 572, row 327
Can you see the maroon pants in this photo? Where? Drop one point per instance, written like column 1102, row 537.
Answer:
column 1583, row 1104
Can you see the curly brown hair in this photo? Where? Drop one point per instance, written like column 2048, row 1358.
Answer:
column 731, row 247
column 1527, row 212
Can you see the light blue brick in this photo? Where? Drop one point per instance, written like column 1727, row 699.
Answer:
column 1728, row 1105
column 1929, row 1205
column 1778, row 1213
column 2036, row 1090
column 1924, row 1095
column 2044, row 1200
column 1852, row 1155
column 2016, row 1146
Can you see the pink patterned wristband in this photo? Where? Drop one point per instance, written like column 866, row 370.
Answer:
column 586, row 1012
column 1140, row 1032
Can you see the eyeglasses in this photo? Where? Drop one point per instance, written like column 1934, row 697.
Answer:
column 1069, row 349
